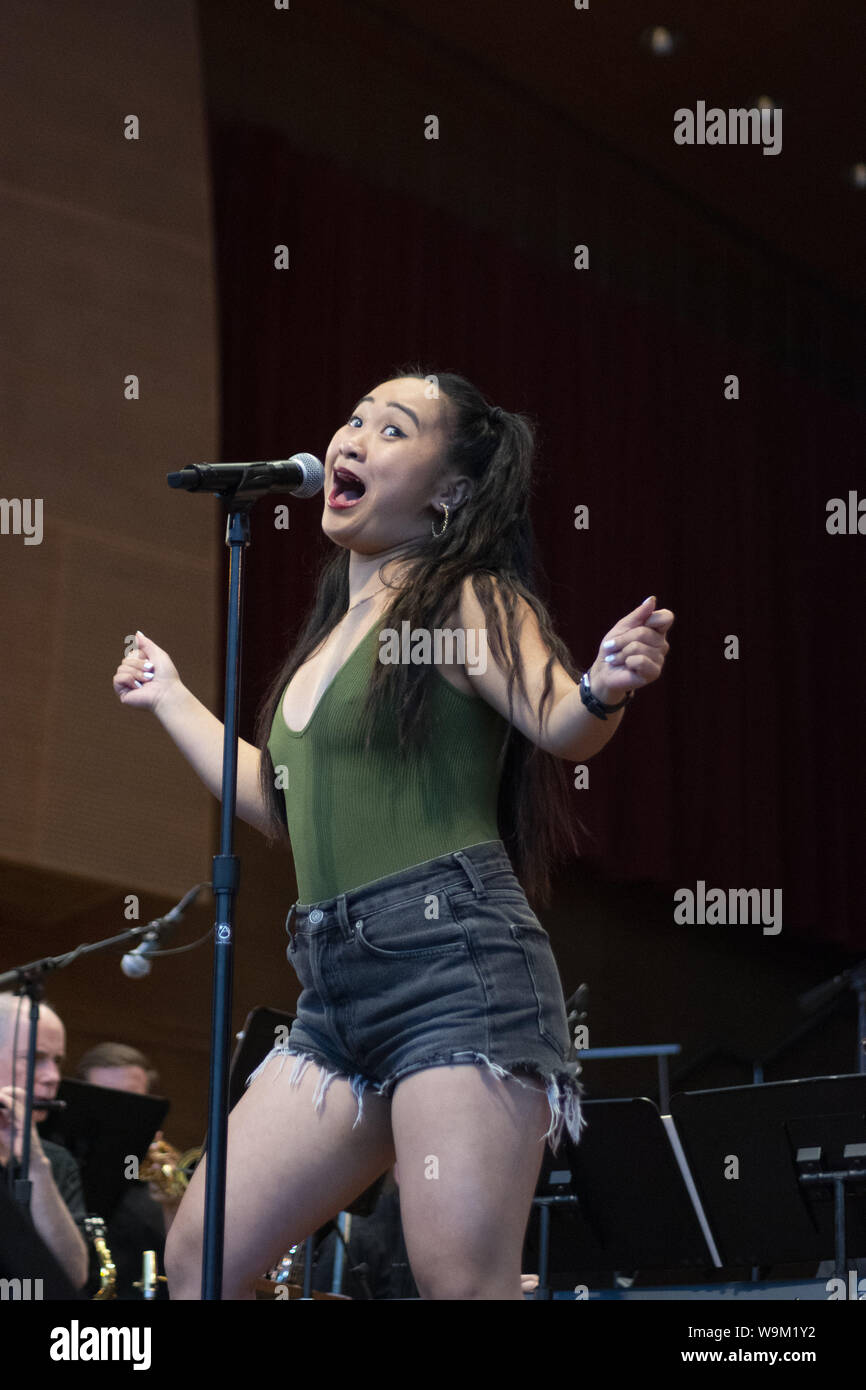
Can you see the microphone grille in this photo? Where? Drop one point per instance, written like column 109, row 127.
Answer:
column 135, row 967
column 314, row 472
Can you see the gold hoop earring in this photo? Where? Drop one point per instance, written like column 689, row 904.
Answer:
column 436, row 533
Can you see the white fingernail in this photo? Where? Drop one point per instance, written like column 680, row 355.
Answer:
column 138, row 683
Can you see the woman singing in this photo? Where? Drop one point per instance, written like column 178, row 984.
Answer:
column 414, row 745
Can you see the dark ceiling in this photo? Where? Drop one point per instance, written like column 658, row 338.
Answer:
column 807, row 57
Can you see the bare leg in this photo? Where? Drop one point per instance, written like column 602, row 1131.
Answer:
column 469, row 1151
column 290, row 1168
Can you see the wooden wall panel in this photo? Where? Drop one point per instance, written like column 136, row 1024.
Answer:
column 107, row 259
column 107, row 253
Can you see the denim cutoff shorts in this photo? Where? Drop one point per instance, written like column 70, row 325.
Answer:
column 443, row 963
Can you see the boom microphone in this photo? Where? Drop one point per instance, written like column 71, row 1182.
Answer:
column 135, row 964
column 302, row 475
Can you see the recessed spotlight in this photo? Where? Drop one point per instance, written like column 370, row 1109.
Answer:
column 660, row 40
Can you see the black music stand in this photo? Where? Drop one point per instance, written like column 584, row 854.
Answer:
column 253, row 1043
column 788, row 1138
column 620, row 1200
column 101, row 1128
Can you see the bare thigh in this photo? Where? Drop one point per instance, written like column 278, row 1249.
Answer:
column 289, row 1169
column 469, row 1150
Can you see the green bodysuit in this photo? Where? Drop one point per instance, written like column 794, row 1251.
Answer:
column 356, row 814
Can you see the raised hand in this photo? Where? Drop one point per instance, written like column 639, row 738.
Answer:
column 632, row 653
column 13, row 1096
column 144, row 677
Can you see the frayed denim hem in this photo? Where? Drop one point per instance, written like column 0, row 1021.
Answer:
column 359, row 1083
column 564, row 1091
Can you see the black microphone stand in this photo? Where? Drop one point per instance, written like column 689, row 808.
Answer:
column 821, row 1002
column 29, row 980
column 238, row 499
column 226, row 879
column 22, row 1187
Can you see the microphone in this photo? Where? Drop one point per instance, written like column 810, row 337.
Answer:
column 135, row 964
column 40, row 1104
column 302, row 475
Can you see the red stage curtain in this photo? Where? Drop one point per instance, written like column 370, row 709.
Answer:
column 745, row 773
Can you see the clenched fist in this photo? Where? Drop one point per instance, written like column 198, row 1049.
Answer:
column 632, row 653
column 145, row 676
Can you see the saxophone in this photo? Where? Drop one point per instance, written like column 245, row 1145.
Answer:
column 95, row 1227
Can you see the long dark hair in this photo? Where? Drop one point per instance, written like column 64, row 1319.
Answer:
column 488, row 537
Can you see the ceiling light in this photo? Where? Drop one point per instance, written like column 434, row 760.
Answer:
column 660, row 40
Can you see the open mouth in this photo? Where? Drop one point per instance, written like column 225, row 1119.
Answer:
column 347, row 489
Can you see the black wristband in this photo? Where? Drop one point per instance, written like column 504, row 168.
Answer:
column 594, row 705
